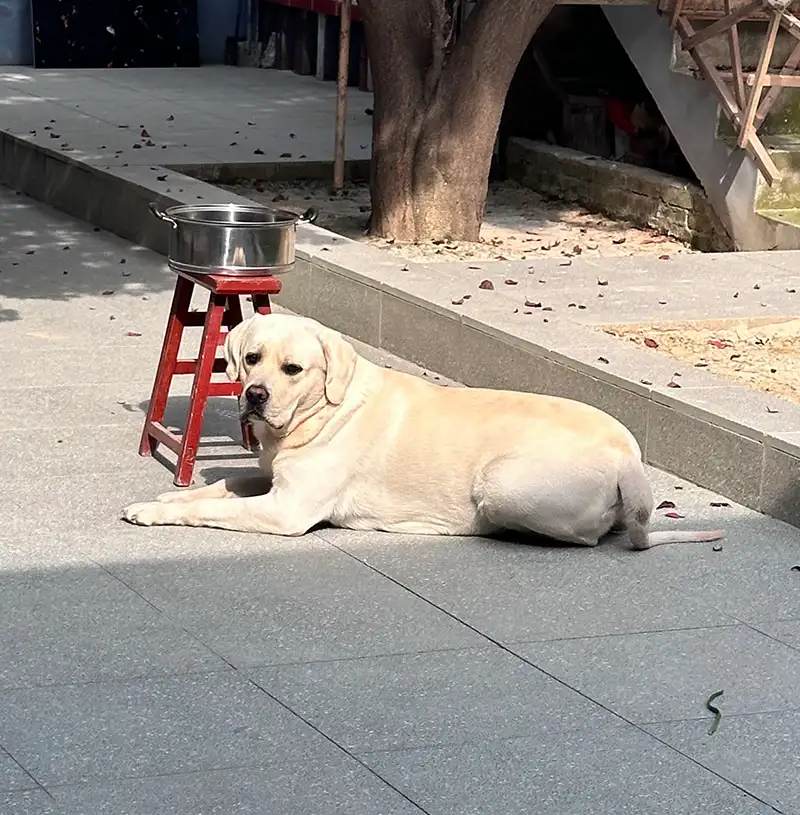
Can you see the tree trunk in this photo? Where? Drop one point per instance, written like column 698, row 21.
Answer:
column 437, row 109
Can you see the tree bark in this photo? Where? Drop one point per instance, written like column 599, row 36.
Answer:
column 437, row 108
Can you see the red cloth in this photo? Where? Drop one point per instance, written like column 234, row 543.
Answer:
column 620, row 114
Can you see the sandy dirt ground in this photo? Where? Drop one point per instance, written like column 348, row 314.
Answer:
column 765, row 356
column 518, row 224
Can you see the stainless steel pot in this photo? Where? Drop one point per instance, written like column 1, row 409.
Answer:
column 232, row 239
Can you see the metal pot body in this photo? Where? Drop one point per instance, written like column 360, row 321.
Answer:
column 235, row 240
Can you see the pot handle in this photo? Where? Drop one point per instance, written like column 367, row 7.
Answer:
column 153, row 207
column 309, row 216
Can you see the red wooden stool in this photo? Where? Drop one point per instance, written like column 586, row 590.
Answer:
column 224, row 309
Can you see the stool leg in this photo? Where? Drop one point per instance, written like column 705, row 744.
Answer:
column 249, row 441
column 179, row 310
column 261, row 304
column 200, row 388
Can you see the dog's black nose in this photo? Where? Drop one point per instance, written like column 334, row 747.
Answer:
column 256, row 395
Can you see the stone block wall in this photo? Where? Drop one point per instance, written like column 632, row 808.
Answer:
column 641, row 196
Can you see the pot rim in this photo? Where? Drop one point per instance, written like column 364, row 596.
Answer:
column 281, row 217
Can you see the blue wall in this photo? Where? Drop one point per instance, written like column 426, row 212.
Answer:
column 16, row 35
column 216, row 20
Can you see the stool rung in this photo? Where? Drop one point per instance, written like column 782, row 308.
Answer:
column 163, row 436
column 189, row 366
column 224, row 389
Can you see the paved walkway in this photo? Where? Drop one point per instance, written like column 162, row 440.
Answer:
column 210, row 115
column 152, row 671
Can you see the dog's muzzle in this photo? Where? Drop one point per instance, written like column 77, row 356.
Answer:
column 255, row 398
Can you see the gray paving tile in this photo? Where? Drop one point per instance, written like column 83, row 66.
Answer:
column 28, row 802
column 751, row 579
column 584, row 770
column 316, row 781
column 80, row 733
column 666, row 675
column 12, row 776
column 418, row 700
column 76, row 508
column 297, row 601
column 80, row 624
column 786, row 631
column 757, row 752
column 516, row 591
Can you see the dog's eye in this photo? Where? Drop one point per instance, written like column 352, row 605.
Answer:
column 290, row 369
column 253, row 358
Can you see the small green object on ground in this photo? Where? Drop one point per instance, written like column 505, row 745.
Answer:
column 715, row 710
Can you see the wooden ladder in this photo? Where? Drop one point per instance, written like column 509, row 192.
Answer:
column 740, row 92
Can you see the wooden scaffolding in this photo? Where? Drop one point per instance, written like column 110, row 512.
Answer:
column 741, row 93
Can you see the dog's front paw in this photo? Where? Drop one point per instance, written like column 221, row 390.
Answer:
column 150, row 513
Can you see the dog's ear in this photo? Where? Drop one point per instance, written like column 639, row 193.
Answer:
column 340, row 358
column 232, row 350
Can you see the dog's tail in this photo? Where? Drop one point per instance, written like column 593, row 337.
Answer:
column 637, row 507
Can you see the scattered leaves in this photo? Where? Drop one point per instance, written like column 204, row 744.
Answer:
column 676, row 515
column 650, row 342
column 720, row 504
column 772, row 410
column 666, row 505
column 459, row 302
column 663, row 257
column 603, row 360
column 108, row 292
column 258, row 151
column 486, row 284
column 285, row 155
column 133, row 334
column 618, row 241
column 509, row 282
column 717, row 547
column 602, row 282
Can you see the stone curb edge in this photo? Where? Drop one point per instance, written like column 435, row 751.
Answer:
column 732, row 440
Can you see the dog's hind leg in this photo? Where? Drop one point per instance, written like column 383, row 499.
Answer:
column 569, row 502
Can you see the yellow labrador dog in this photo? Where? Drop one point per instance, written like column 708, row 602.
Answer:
column 359, row 446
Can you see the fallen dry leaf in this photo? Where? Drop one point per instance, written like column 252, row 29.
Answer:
column 509, row 282
column 666, row 505
column 720, row 504
column 650, row 342
column 673, row 515
column 133, row 334
column 486, row 284
column 459, row 302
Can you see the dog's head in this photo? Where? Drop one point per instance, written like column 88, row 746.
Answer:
column 288, row 366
